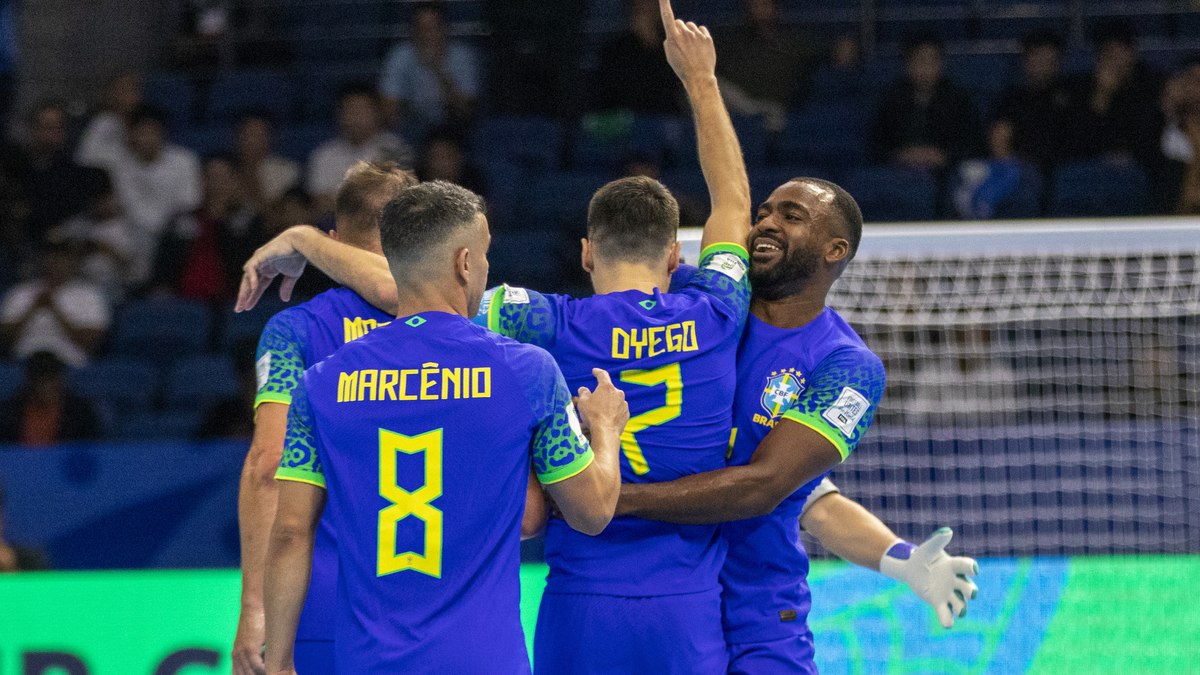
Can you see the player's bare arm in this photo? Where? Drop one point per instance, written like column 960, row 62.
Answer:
column 257, row 497
column 851, row 532
column 286, row 255
column 536, row 509
column 693, row 57
column 790, row 456
column 289, row 565
column 588, row 499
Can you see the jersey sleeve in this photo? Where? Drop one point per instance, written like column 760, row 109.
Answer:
column 521, row 314
column 724, row 274
column 840, row 400
column 301, row 460
column 559, row 449
column 280, row 358
column 682, row 277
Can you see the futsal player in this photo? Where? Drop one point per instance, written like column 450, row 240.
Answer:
column 293, row 340
column 418, row 438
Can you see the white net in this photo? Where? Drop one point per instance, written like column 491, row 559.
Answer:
column 1043, row 384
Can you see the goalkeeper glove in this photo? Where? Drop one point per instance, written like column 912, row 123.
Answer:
column 937, row 578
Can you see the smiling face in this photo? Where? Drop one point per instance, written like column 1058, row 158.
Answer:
column 797, row 233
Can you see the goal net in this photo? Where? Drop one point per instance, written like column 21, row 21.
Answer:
column 1043, row 389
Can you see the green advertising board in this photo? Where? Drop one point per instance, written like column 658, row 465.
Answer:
column 1082, row 615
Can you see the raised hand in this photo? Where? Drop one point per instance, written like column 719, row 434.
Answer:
column 277, row 257
column 689, row 47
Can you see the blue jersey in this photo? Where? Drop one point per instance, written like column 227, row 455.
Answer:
column 422, row 433
column 673, row 354
column 293, row 340
column 824, row 377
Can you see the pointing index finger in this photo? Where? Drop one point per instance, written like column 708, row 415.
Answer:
column 668, row 14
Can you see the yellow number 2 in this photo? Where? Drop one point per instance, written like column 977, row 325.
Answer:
column 668, row 375
column 404, row 503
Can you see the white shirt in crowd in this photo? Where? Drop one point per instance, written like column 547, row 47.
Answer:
column 81, row 301
column 151, row 194
column 102, row 141
column 104, row 267
column 277, row 175
column 329, row 162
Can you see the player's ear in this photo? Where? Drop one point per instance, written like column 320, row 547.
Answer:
column 837, row 250
column 673, row 258
column 462, row 265
column 586, row 258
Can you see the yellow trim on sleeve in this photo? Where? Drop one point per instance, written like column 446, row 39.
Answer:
column 297, row 476
column 842, row 446
column 726, row 247
column 570, row 471
column 272, row 397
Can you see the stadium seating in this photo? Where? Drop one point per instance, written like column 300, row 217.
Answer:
column 125, row 385
column 159, row 426
column 559, row 200
column 162, row 329
column 606, row 144
column 297, row 141
column 1082, row 189
column 831, row 135
column 199, row 381
column 889, row 194
column 11, row 376
column 239, row 91
column 206, row 140
column 174, row 93
column 532, row 142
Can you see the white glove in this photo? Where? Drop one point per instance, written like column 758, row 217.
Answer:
column 936, row 578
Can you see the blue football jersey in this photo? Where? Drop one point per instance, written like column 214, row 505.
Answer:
column 293, row 340
column 423, row 432
column 673, row 354
column 824, row 377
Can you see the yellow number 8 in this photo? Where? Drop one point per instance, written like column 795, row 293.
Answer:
column 404, row 503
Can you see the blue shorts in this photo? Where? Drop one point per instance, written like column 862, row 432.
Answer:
column 579, row 634
column 787, row 656
column 314, row 657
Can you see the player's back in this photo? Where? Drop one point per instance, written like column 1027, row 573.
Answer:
column 424, row 433
column 824, row 377
column 674, row 356
column 294, row 340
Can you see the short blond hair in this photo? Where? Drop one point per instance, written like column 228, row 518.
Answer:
column 366, row 188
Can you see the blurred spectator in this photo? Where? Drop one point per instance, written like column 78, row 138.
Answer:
column 265, row 174
column 201, row 253
column 534, row 51
column 155, row 180
column 765, row 66
column 15, row 558
column 111, row 257
column 9, row 52
column 1181, row 139
column 103, row 138
column 49, row 179
column 985, row 184
column 233, row 417
column 1114, row 109
column 204, row 39
column 57, row 312
column 431, row 79
column 842, row 76
column 924, row 120
column 361, row 137
column 1036, row 111
column 633, row 75
column 44, row 412
column 293, row 207
column 445, row 159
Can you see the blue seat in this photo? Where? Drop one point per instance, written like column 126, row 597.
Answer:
column 174, row 93
column 240, row 91
column 162, row 329
column 323, row 82
column 532, row 142
column 12, row 375
column 238, row 328
column 206, row 140
column 830, row 135
column 559, row 200
column 536, row 258
column 1094, row 188
column 983, row 75
column 297, row 141
column 159, row 426
column 126, row 385
column 200, row 380
column 659, row 138
column 891, row 194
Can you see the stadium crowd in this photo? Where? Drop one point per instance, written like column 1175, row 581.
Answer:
column 122, row 232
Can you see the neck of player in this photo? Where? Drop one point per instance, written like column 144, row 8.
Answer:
column 792, row 311
column 420, row 298
column 617, row 277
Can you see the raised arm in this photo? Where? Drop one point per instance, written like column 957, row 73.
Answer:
column 363, row 272
column 691, row 53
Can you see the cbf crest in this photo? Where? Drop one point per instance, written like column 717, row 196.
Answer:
column 783, row 387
